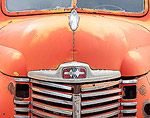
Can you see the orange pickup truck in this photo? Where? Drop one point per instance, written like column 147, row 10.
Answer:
column 74, row 59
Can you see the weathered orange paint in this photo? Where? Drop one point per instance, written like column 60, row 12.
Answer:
column 107, row 42
column 6, row 98
column 34, row 40
column 48, row 37
column 11, row 58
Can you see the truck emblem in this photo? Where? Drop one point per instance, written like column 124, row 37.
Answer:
column 74, row 20
column 74, row 72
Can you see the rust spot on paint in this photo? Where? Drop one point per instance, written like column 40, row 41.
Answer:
column 142, row 90
column 11, row 88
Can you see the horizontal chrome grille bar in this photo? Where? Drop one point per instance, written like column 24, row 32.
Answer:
column 129, row 111
column 91, row 102
column 52, row 85
column 100, row 109
column 42, row 115
column 101, row 93
column 65, row 102
column 51, row 93
column 22, row 79
column 51, row 108
column 17, row 116
column 22, row 109
column 110, row 114
column 127, row 117
column 128, row 103
column 21, row 102
column 129, row 81
column 108, row 84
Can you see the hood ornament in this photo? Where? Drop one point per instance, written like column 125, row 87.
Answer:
column 74, row 20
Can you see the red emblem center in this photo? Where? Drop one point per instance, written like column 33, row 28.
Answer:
column 74, row 72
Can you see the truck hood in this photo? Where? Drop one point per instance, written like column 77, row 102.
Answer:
column 47, row 41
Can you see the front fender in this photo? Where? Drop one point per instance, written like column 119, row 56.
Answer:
column 136, row 62
column 12, row 62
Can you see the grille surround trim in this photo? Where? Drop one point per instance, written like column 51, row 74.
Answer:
column 92, row 75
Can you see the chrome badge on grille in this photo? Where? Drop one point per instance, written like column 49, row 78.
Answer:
column 74, row 72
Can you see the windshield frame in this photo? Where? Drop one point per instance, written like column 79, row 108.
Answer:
column 120, row 13
column 32, row 12
column 79, row 10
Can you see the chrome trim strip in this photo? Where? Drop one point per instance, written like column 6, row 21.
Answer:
column 92, row 110
column 76, row 106
column 52, row 85
column 91, row 102
column 42, row 115
column 92, row 75
column 92, row 94
column 129, row 81
column 51, row 109
column 21, row 102
column 128, row 103
column 22, row 79
column 65, row 102
column 22, row 109
column 109, row 84
column 98, row 79
column 127, row 117
column 129, row 111
column 16, row 116
column 108, row 114
column 51, row 93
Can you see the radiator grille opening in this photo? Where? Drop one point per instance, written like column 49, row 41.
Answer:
column 129, row 107
column 22, row 90
column 129, row 114
column 130, row 92
column 22, row 105
column 21, row 113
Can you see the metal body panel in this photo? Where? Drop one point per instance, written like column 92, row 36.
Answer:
column 111, row 41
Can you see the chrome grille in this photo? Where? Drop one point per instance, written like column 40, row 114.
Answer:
column 58, row 100
column 51, row 99
column 99, row 95
column 101, row 99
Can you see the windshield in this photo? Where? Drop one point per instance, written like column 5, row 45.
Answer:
column 136, row 6
column 28, row 5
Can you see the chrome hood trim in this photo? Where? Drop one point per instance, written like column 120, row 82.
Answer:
column 92, row 75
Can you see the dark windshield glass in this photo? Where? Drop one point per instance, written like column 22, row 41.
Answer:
column 113, row 5
column 28, row 5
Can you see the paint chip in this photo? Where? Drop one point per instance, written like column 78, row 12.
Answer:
column 16, row 74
